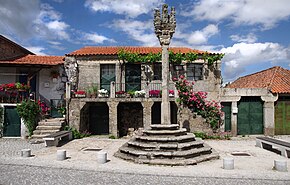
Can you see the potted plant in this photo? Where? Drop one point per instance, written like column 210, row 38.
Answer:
column 154, row 93
column 140, row 94
column 62, row 111
column 120, row 94
column 80, row 94
column 103, row 93
column 131, row 93
column 171, row 93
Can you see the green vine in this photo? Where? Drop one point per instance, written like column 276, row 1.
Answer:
column 29, row 111
column 176, row 58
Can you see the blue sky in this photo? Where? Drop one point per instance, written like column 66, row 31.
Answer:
column 253, row 34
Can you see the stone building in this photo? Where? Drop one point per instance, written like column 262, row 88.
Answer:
column 133, row 89
column 18, row 65
column 258, row 103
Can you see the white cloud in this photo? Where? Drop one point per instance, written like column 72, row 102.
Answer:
column 38, row 50
column 250, row 38
column 250, row 12
column 96, row 38
column 201, row 36
column 138, row 30
column 130, row 8
column 241, row 55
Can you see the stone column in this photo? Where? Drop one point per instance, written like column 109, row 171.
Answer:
column 234, row 118
column 98, row 73
column 269, row 118
column 147, row 110
column 165, row 104
column 113, row 118
column 164, row 28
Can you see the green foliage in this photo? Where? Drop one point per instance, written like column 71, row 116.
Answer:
column 112, row 137
column 29, row 111
column 131, row 93
column 76, row 134
column 220, row 135
column 196, row 102
column 176, row 58
column 62, row 110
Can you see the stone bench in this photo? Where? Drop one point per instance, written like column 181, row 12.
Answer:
column 53, row 139
column 268, row 143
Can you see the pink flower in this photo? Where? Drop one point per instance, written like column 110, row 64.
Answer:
column 181, row 77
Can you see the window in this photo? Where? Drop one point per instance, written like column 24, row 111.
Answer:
column 107, row 75
column 157, row 70
column 194, row 72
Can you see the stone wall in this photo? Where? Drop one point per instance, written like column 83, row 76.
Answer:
column 192, row 122
column 10, row 51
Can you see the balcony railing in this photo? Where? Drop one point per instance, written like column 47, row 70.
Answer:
column 130, row 90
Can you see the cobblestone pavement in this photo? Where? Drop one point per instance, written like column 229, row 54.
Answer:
column 81, row 167
column 21, row 175
column 12, row 147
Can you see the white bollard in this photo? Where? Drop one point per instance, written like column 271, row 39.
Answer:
column 60, row 155
column 280, row 165
column 102, row 157
column 25, row 153
column 228, row 163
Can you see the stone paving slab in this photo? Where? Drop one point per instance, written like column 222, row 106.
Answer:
column 256, row 166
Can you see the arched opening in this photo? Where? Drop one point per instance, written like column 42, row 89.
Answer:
column 130, row 115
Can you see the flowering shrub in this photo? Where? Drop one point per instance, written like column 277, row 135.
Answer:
column 196, row 102
column 44, row 109
column 140, row 93
column 154, row 93
column 82, row 92
column 120, row 92
column 171, row 93
column 14, row 86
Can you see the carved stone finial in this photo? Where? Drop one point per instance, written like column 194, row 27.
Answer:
column 165, row 26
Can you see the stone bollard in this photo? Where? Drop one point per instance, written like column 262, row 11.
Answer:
column 60, row 155
column 25, row 153
column 280, row 165
column 228, row 163
column 102, row 157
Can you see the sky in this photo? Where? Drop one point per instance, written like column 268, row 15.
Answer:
column 253, row 34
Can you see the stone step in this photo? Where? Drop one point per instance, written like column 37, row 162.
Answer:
column 54, row 120
column 50, row 123
column 180, row 139
column 166, row 154
column 48, row 127
column 171, row 162
column 164, row 127
column 42, row 132
column 165, row 146
column 178, row 132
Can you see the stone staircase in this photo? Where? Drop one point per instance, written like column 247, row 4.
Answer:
column 46, row 127
column 166, row 145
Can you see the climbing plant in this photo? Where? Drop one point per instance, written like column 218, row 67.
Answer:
column 175, row 58
column 29, row 111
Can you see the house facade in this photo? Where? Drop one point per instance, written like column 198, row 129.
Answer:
column 25, row 75
column 258, row 103
column 128, row 93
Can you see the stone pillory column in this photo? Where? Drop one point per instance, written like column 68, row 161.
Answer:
column 164, row 29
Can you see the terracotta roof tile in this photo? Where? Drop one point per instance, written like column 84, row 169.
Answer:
column 276, row 79
column 36, row 60
column 113, row 50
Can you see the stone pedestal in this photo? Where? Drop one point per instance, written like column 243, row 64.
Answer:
column 228, row 163
column 60, row 155
column 102, row 157
column 280, row 165
column 25, row 153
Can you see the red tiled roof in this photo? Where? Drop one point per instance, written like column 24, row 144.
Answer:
column 276, row 79
column 36, row 60
column 113, row 50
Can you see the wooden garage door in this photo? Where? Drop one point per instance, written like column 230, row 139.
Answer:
column 282, row 117
column 250, row 116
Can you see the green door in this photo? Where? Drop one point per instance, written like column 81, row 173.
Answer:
column 133, row 77
column 282, row 117
column 227, row 109
column 12, row 123
column 250, row 116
